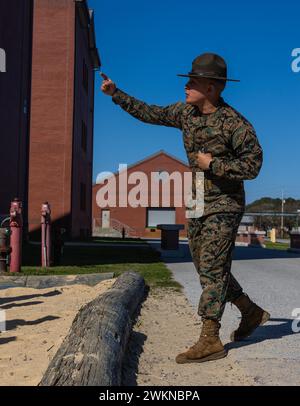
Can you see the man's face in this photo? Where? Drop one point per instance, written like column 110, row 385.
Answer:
column 197, row 90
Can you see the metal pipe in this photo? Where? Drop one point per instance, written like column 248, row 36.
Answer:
column 46, row 235
column 16, row 227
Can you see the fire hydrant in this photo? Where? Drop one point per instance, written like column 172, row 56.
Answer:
column 4, row 249
column 16, row 227
column 46, row 235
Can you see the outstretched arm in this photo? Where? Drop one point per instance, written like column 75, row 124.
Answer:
column 169, row 116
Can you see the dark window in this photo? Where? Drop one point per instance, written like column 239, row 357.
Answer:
column 85, row 76
column 83, row 136
column 82, row 197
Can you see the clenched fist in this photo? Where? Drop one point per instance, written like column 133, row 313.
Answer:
column 108, row 86
column 204, row 160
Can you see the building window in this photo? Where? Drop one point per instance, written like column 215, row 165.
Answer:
column 85, row 76
column 82, row 197
column 83, row 136
column 160, row 215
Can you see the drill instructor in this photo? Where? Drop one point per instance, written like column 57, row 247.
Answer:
column 230, row 153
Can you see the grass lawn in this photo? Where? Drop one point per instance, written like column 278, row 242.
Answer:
column 277, row 245
column 110, row 239
column 83, row 260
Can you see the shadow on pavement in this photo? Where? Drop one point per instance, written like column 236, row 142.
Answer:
column 131, row 361
column 7, row 340
column 267, row 332
column 240, row 253
column 12, row 324
column 11, row 305
column 28, row 297
column 134, row 349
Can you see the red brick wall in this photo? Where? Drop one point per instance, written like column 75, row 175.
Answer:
column 250, row 238
column 136, row 217
column 83, row 112
column 15, row 38
column 51, row 131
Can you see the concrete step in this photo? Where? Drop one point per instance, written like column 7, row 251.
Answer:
column 106, row 232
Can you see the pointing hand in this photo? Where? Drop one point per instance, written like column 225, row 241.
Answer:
column 108, row 86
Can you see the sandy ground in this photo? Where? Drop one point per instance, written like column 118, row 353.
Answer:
column 166, row 326
column 37, row 323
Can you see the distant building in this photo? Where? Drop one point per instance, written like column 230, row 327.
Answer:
column 141, row 221
column 47, row 107
column 248, row 234
column 247, row 224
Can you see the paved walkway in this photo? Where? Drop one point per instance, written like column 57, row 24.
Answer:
column 272, row 279
column 100, row 244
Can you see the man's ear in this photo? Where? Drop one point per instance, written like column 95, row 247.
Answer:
column 211, row 89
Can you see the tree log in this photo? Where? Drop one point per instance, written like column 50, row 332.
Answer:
column 92, row 352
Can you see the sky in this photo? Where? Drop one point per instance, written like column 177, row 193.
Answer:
column 143, row 45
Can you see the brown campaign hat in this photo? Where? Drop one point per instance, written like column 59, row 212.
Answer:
column 210, row 66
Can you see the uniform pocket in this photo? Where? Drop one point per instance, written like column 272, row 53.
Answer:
column 194, row 228
column 228, row 225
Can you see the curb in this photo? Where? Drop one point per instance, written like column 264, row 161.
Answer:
column 44, row 281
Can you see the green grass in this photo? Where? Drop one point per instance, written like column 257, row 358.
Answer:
column 110, row 240
column 277, row 245
column 118, row 241
column 84, row 260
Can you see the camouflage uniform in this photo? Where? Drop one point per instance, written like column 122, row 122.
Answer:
column 237, row 156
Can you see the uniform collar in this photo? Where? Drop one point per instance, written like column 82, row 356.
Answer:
column 221, row 103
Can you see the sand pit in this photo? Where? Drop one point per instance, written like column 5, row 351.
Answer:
column 37, row 322
column 168, row 325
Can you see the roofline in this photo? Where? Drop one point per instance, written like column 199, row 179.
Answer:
column 160, row 152
column 148, row 158
column 86, row 17
column 272, row 213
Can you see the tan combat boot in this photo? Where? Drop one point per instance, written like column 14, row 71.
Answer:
column 252, row 317
column 208, row 348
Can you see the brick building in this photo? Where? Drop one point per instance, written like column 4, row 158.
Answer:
column 48, row 104
column 15, row 85
column 142, row 221
column 248, row 234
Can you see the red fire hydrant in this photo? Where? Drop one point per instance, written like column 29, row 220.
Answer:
column 46, row 235
column 16, row 227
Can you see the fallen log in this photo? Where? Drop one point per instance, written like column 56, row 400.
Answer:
column 92, row 352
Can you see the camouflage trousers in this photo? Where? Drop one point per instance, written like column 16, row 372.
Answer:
column 211, row 242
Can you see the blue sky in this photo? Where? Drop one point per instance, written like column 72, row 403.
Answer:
column 143, row 45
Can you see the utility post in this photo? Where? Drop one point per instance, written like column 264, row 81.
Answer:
column 298, row 213
column 282, row 210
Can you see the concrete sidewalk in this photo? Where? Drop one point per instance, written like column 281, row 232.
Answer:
column 272, row 279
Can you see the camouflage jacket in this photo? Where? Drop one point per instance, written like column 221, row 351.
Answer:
column 226, row 134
